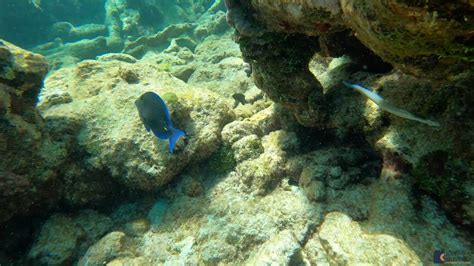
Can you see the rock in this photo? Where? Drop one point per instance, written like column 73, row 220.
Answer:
column 160, row 40
column 337, row 168
column 129, row 76
column 87, row 31
column 241, row 16
column 183, row 72
column 345, row 242
column 181, row 42
column 278, row 250
column 61, row 29
column 215, row 48
column 236, row 130
column 218, row 67
column 67, row 32
column 192, row 187
column 93, row 223
column 217, row 251
column 137, row 227
column 64, row 237
column 22, row 69
column 83, row 49
column 117, row 56
column 56, row 98
column 406, row 145
column 219, row 232
column 253, row 94
column 57, row 241
column 127, row 261
column 261, row 174
column 287, row 82
column 314, row 190
column 308, row 17
column 248, row 147
column 222, row 161
column 105, row 250
column 29, row 161
column 261, row 123
column 215, row 24
column 343, row 239
column 113, row 134
column 426, row 40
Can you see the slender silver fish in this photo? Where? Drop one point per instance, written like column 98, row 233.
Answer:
column 384, row 105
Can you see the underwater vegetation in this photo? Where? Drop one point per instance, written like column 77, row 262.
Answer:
column 268, row 157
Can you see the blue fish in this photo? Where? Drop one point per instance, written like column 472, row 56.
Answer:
column 156, row 117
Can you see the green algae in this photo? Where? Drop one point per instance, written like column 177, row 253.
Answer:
column 7, row 73
column 170, row 98
column 164, row 66
column 222, row 160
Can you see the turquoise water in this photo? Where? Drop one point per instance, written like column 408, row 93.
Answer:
column 275, row 133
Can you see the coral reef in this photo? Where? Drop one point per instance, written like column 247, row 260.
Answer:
column 27, row 177
column 62, row 236
column 270, row 219
column 27, row 25
column 427, row 40
column 78, row 30
column 348, row 243
column 304, row 171
column 430, row 50
column 111, row 133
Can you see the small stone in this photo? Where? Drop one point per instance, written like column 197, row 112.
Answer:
column 137, row 227
column 105, row 250
column 183, row 72
column 129, row 76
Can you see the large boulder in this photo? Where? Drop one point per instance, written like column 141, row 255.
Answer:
column 278, row 39
column 428, row 45
column 432, row 39
column 100, row 96
column 63, row 237
column 346, row 243
column 27, row 176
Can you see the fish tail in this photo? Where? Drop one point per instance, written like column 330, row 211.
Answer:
column 347, row 84
column 175, row 135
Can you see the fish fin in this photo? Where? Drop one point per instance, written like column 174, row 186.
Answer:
column 347, row 84
column 175, row 135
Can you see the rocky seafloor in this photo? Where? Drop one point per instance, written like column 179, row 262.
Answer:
column 296, row 170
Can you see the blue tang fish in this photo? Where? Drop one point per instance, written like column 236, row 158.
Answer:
column 156, row 117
